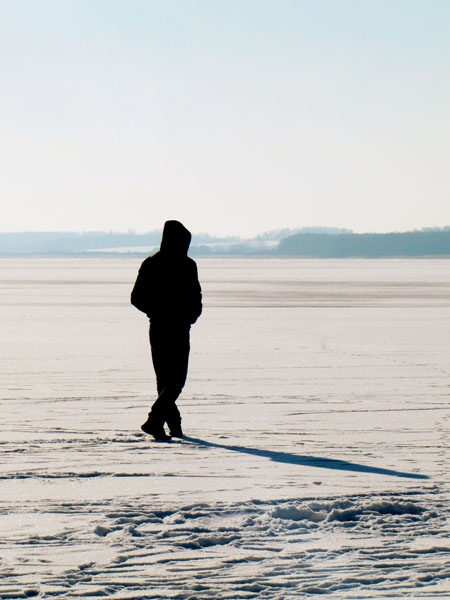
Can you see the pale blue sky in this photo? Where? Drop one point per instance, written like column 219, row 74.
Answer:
column 234, row 116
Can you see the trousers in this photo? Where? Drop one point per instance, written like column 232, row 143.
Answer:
column 170, row 346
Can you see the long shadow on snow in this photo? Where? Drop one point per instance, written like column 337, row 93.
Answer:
column 307, row 461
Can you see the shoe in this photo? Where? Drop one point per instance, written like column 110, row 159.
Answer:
column 157, row 431
column 175, row 430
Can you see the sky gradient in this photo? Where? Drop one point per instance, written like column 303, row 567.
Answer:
column 233, row 116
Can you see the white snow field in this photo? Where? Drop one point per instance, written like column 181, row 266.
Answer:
column 318, row 424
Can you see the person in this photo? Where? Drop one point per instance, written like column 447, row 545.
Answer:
column 167, row 290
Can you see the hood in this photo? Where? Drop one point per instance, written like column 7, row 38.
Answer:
column 175, row 239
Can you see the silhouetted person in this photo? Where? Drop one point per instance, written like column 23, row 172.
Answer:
column 167, row 290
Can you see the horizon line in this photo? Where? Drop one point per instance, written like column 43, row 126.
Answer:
column 304, row 229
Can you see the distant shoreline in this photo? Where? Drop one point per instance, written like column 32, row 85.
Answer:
column 118, row 255
column 287, row 243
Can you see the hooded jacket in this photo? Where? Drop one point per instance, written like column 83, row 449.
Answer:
column 167, row 287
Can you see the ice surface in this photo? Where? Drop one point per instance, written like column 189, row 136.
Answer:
column 317, row 418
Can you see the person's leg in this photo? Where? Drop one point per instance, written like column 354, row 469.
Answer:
column 180, row 369
column 170, row 355
column 155, row 422
column 170, row 348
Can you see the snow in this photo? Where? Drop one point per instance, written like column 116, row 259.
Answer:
column 317, row 422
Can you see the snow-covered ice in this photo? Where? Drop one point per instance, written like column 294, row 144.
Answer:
column 317, row 417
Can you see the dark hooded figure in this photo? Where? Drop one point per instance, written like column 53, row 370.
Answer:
column 167, row 290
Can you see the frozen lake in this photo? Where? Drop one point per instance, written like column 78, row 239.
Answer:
column 318, row 424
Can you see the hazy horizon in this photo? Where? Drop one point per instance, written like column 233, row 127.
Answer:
column 306, row 229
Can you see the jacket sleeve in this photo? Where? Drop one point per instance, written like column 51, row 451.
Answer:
column 139, row 294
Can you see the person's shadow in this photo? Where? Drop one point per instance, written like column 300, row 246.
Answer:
column 306, row 461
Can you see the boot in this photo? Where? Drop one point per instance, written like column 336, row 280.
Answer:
column 175, row 429
column 155, row 429
column 173, row 420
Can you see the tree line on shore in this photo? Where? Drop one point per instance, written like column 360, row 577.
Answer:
column 307, row 242
column 367, row 245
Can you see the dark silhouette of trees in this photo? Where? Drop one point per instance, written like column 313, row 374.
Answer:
column 367, row 245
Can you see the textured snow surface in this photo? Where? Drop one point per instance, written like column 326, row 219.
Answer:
column 317, row 421
column 357, row 546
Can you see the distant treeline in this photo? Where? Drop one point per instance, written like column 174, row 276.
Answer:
column 62, row 242
column 67, row 242
column 314, row 242
column 55, row 243
column 367, row 245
